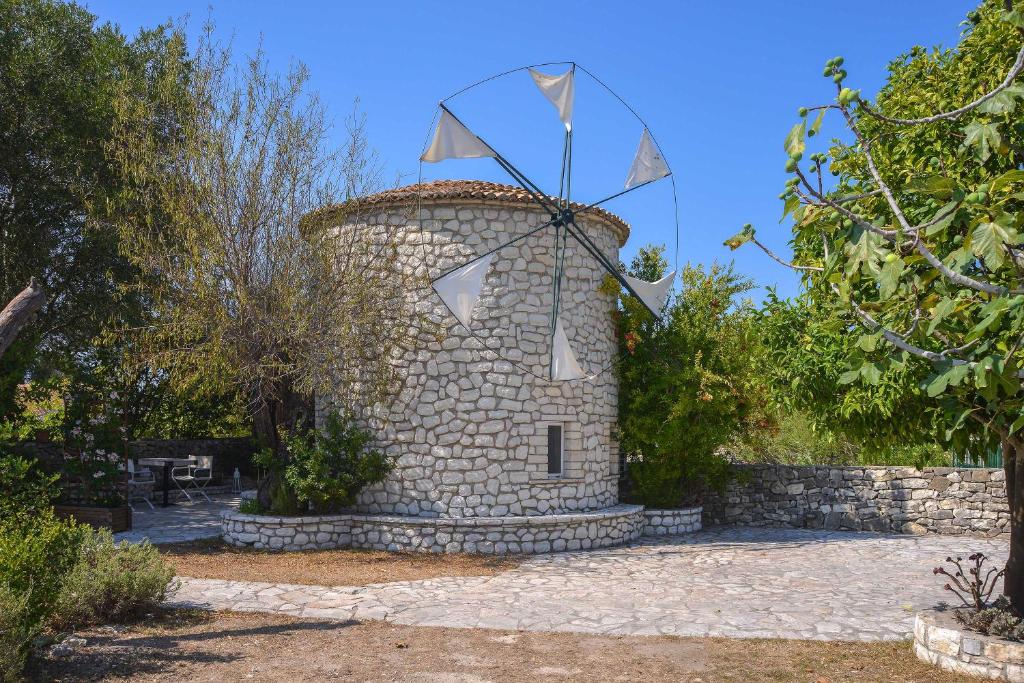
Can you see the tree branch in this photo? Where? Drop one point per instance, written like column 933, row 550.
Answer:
column 782, row 261
column 19, row 312
column 1015, row 70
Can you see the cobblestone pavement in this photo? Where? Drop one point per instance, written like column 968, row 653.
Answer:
column 733, row 582
column 184, row 521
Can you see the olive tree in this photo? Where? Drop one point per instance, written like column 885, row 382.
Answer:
column 227, row 167
column 918, row 242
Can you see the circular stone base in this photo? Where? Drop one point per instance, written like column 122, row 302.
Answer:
column 939, row 640
column 672, row 522
column 483, row 535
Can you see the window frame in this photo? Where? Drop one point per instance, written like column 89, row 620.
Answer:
column 561, row 449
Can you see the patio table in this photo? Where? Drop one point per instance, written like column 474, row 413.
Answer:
column 167, row 464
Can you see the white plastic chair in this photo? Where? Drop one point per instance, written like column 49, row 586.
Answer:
column 195, row 476
column 140, row 484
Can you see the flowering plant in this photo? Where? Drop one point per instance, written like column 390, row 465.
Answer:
column 94, row 444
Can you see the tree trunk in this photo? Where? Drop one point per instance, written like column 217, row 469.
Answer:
column 1013, row 580
column 19, row 312
column 287, row 411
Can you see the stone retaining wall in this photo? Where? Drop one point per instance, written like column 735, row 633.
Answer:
column 939, row 500
column 484, row 535
column 939, row 640
column 671, row 522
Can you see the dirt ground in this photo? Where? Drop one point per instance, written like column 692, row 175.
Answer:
column 214, row 559
column 197, row 646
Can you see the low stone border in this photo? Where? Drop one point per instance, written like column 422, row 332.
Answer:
column 484, row 535
column 939, row 640
column 672, row 522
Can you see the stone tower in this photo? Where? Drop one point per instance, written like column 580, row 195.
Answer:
column 477, row 429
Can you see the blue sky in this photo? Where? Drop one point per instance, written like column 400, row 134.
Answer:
column 718, row 83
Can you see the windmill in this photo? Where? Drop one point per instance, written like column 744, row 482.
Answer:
column 459, row 288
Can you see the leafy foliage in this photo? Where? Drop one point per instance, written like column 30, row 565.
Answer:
column 111, row 583
column 325, row 469
column 259, row 296
column 684, row 382
column 28, row 492
column 915, row 251
column 36, row 554
column 59, row 70
column 996, row 619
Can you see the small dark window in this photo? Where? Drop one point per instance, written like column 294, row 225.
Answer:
column 554, row 449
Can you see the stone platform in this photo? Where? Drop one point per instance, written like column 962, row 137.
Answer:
column 525, row 534
column 940, row 640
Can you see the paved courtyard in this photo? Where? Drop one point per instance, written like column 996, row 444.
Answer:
column 184, row 521
column 733, row 582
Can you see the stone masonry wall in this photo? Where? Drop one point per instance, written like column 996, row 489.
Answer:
column 489, row 536
column 889, row 499
column 468, row 427
column 672, row 522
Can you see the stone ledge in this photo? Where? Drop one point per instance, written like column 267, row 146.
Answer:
column 486, row 535
column 939, row 640
column 672, row 522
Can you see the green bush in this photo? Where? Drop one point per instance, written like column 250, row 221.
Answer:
column 324, row 469
column 27, row 491
column 685, row 383
column 16, row 633
column 111, row 583
column 330, row 467
column 36, row 554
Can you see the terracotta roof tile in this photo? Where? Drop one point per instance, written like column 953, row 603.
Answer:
column 471, row 189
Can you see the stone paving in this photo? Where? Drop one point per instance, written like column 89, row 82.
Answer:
column 729, row 581
column 181, row 522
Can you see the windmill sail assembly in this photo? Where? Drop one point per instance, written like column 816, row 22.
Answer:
column 461, row 287
column 503, row 421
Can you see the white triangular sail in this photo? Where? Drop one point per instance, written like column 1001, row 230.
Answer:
column 452, row 140
column 560, row 91
column 460, row 289
column 648, row 163
column 563, row 361
column 654, row 294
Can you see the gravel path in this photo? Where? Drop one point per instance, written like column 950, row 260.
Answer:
column 732, row 582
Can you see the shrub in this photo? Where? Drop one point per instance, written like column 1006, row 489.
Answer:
column 995, row 620
column 685, row 382
column 15, row 633
column 36, row 553
column 324, row 469
column 250, row 506
column 27, row 491
column 111, row 583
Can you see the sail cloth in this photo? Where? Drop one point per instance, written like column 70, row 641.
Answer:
column 648, row 163
column 452, row 140
column 560, row 91
column 460, row 289
column 563, row 361
column 653, row 294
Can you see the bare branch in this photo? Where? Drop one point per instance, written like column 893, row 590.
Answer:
column 775, row 257
column 19, row 312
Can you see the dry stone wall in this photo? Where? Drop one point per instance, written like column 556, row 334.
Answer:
column 939, row 640
column 482, row 535
column 888, row 499
column 468, row 426
column 672, row 522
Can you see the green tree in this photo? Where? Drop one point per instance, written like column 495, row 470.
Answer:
column 254, row 291
column 59, row 71
column 683, row 381
column 914, row 251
